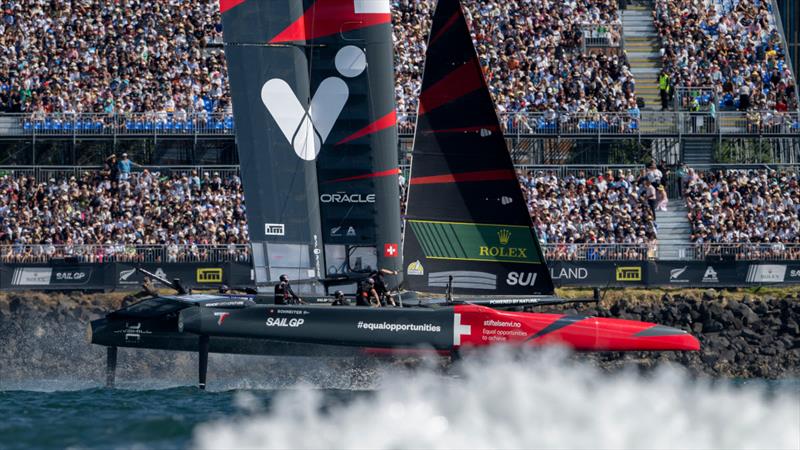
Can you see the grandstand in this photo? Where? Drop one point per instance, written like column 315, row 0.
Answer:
column 568, row 79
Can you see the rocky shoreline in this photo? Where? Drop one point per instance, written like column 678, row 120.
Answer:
column 43, row 335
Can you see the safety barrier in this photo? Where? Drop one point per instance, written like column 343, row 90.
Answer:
column 46, row 173
column 685, row 252
column 45, row 253
column 59, row 124
column 713, row 272
column 546, row 124
column 79, row 253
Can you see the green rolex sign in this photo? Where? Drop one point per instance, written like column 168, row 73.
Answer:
column 476, row 242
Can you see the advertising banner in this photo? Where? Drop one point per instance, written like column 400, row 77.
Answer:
column 598, row 273
column 83, row 276
column 120, row 275
column 196, row 275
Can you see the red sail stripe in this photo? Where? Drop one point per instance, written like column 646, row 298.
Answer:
column 385, row 173
column 444, row 28
column 327, row 17
column 225, row 5
column 454, row 85
column 387, row 121
column 463, row 129
column 483, row 175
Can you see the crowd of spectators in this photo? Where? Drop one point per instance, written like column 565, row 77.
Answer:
column 530, row 51
column 607, row 209
column 104, row 215
column 759, row 207
column 104, row 56
column 732, row 45
column 88, row 56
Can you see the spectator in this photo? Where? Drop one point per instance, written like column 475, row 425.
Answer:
column 124, row 167
column 98, row 218
column 755, row 209
column 605, row 209
column 733, row 46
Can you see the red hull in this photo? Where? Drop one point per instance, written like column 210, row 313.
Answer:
column 481, row 326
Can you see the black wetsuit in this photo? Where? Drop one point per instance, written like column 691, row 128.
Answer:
column 362, row 294
column 380, row 284
column 284, row 295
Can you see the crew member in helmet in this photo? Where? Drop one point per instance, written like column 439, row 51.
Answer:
column 284, row 295
column 367, row 295
column 380, row 286
column 339, row 299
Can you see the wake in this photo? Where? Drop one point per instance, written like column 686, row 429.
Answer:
column 541, row 400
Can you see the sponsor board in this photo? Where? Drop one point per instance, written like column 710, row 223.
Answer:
column 130, row 276
column 476, row 242
column 274, row 229
column 569, row 273
column 710, row 275
column 71, row 276
column 47, row 276
column 766, row 273
column 677, row 275
column 31, row 276
column 209, row 275
column 629, row 273
column 415, row 268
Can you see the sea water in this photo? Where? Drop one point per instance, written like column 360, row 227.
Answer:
column 501, row 399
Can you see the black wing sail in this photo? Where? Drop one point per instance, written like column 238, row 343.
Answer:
column 312, row 88
column 466, row 215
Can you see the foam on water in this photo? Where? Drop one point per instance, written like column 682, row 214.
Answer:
column 542, row 400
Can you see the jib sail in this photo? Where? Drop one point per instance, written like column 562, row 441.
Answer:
column 466, row 217
column 312, row 88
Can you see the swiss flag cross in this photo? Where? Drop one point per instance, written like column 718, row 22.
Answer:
column 390, row 250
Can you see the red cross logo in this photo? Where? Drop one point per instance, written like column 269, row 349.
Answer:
column 459, row 330
column 390, row 250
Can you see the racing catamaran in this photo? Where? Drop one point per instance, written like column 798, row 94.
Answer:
column 468, row 229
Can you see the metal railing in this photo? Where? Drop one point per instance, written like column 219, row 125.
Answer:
column 599, row 252
column 107, row 253
column 60, row 124
column 746, row 251
column 523, row 124
column 601, row 35
column 46, row 173
column 686, row 252
column 641, row 124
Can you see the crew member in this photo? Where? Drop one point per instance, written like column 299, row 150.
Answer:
column 284, row 295
column 367, row 295
column 380, row 286
column 339, row 299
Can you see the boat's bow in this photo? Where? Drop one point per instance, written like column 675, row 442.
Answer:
column 479, row 326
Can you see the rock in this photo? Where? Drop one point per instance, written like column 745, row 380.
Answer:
column 791, row 327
